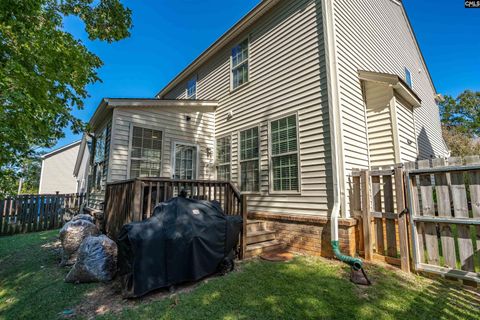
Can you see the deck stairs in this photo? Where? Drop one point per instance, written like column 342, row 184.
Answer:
column 260, row 239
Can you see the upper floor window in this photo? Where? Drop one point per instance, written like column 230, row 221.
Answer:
column 146, row 153
column 408, row 77
column 192, row 88
column 284, row 147
column 240, row 64
column 249, row 160
column 223, row 158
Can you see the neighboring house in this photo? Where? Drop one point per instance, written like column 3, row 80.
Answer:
column 285, row 104
column 57, row 170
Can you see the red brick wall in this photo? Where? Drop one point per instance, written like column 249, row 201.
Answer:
column 309, row 234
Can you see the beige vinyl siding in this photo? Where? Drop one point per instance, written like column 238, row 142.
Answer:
column 57, row 172
column 379, row 124
column 408, row 143
column 374, row 35
column 287, row 75
column 199, row 130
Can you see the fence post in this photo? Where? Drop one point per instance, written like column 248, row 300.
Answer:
column 402, row 221
column 243, row 243
column 366, row 214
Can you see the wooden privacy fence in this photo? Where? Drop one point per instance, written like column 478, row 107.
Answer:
column 444, row 201
column 134, row 200
column 378, row 202
column 30, row 213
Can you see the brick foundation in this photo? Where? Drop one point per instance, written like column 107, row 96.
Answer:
column 309, row 234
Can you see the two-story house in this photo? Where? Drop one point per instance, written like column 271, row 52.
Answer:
column 285, row 104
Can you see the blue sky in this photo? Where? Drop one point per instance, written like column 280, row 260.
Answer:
column 168, row 34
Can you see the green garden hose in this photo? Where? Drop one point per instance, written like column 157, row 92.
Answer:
column 355, row 263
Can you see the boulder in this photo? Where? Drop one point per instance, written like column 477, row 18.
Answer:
column 96, row 261
column 72, row 235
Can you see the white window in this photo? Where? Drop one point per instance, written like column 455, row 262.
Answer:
column 408, row 77
column 249, row 160
column 146, row 153
column 240, row 64
column 185, row 161
column 284, row 148
column 192, row 88
column 223, row 158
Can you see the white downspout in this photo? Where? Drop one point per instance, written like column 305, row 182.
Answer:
column 335, row 132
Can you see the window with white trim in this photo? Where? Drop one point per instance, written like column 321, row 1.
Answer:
column 240, row 64
column 192, row 88
column 223, row 158
column 408, row 77
column 146, row 153
column 249, row 160
column 284, row 147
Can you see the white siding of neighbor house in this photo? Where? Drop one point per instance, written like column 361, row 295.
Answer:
column 408, row 142
column 287, row 76
column 57, row 172
column 374, row 35
column 199, row 130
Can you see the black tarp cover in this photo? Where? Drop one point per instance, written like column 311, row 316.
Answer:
column 185, row 240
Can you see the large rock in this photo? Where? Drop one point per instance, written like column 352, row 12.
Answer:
column 96, row 261
column 72, row 235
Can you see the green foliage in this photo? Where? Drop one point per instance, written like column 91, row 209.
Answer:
column 461, row 123
column 463, row 113
column 44, row 71
column 459, row 143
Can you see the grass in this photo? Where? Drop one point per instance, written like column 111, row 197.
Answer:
column 31, row 284
column 31, row 287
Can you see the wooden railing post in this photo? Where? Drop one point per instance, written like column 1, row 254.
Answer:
column 244, row 209
column 402, row 221
column 366, row 214
column 137, row 201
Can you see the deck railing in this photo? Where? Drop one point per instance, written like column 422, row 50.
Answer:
column 134, row 200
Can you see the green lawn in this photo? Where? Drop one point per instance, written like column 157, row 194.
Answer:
column 31, row 287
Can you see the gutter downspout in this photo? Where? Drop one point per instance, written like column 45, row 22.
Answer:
column 335, row 132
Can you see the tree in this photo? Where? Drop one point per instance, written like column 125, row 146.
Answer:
column 44, row 71
column 459, row 143
column 462, row 113
column 461, row 123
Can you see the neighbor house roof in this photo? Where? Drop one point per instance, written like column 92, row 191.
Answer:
column 61, row 149
column 107, row 104
column 250, row 18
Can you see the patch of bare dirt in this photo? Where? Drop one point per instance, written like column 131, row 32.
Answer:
column 107, row 298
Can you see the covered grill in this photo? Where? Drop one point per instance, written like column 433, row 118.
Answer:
column 185, row 240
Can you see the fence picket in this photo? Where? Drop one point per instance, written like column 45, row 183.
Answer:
column 428, row 209
column 475, row 195
column 460, row 208
column 444, row 210
column 377, row 207
column 389, row 206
